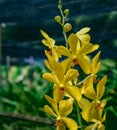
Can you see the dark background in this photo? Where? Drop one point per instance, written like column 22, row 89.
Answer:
column 23, row 20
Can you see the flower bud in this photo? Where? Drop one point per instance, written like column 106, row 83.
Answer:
column 66, row 11
column 67, row 27
column 58, row 19
column 59, row 6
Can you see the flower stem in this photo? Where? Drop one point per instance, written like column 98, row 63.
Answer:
column 84, row 79
column 79, row 117
column 63, row 22
column 65, row 36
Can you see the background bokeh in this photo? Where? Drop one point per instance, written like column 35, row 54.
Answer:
column 21, row 56
column 24, row 19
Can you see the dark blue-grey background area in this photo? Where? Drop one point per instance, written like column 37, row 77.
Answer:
column 23, row 20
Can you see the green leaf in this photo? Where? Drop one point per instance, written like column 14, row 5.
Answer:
column 111, row 121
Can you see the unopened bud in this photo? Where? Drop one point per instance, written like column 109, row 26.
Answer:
column 66, row 11
column 60, row 6
column 67, row 27
column 58, row 19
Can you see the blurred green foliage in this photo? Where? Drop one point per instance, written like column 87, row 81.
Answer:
column 108, row 67
column 23, row 90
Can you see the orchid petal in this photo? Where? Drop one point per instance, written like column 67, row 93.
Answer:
column 101, row 127
column 74, row 92
column 86, row 48
column 66, row 64
column 71, row 74
column 95, row 63
column 89, row 91
column 95, row 47
column 56, row 94
column 83, row 103
column 65, row 107
column 47, row 65
column 63, row 51
column 83, row 31
column 90, row 127
column 84, row 38
column 58, row 70
column 101, row 87
column 50, row 77
column 48, row 110
column 84, row 64
column 61, row 127
column 45, row 35
column 86, row 113
column 70, row 123
column 73, row 43
column 104, row 117
column 52, row 103
column 47, row 41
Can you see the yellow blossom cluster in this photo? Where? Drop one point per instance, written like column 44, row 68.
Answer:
column 65, row 64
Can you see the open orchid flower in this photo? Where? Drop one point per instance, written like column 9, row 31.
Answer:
column 60, row 111
column 73, row 74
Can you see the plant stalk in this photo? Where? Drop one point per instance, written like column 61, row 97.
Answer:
column 79, row 117
column 84, row 79
column 63, row 22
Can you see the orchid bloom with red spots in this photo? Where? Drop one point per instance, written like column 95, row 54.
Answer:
column 62, row 78
column 74, row 76
column 60, row 111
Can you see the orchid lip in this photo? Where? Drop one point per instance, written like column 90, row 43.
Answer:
column 58, row 123
column 75, row 61
column 61, row 90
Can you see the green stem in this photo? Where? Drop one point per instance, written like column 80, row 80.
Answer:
column 65, row 36
column 63, row 22
column 84, row 79
column 79, row 116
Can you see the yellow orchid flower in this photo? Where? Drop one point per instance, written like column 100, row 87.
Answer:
column 82, row 34
column 48, row 41
column 84, row 38
column 93, row 110
column 60, row 111
column 77, row 47
column 93, row 113
column 62, row 78
column 59, row 73
column 64, row 74
column 77, row 53
column 95, row 65
column 50, row 60
column 88, row 89
column 97, row 124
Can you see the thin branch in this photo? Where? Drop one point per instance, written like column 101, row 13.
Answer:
column 84, row 79
column 79, row 116
column 30, row 118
